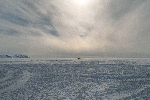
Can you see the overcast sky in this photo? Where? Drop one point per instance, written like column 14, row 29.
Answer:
column 73, row 28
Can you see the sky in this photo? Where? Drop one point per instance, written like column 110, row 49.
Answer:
column 75, row 28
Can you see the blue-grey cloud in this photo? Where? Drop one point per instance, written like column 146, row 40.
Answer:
column 119, row 8
column 71, row 27
column 14, row 19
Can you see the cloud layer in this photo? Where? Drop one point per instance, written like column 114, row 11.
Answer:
column 70, row 28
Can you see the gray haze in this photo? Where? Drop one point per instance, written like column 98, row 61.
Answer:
column 72, row 28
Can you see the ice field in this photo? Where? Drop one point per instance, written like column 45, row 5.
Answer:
column 73, row 79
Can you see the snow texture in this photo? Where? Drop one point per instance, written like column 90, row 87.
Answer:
column 74, row 79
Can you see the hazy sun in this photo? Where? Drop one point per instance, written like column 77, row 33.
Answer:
column 82, row 2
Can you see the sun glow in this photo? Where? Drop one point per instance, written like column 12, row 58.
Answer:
column 82, row 2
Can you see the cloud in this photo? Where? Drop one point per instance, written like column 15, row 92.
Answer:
column 54, row 28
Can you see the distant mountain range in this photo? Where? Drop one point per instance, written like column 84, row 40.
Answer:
column 14, row 56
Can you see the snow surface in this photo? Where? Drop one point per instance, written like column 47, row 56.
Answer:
column 73, row 79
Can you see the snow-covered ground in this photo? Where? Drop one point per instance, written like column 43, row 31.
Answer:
column 73, row 79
